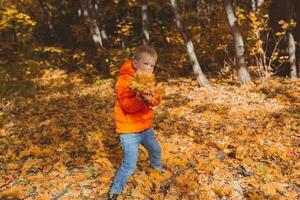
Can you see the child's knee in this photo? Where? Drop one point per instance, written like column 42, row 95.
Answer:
column 130, row 170
column 156, row 150
column 129, row 166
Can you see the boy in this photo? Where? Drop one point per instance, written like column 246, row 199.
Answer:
column 133, row 118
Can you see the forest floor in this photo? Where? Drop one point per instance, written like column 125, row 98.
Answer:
column 226, row 142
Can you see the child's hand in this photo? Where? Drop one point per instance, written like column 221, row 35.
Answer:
column 148, row 98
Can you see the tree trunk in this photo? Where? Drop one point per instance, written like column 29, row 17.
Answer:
column 285, row 10
column 96, row 12
column 123, row 13
column 64, row 29
column 243, row 73
column 291, row 41
column 92, row 23
column 297, row 34
column 253, row 5
column 144, row 9
column 292, row 55
column 259, row 2
column 101, row 65
column 48, row 16
column 190, row 47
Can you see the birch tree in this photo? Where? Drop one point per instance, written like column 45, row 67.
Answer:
column 97, row 14
column 292, row 55
column 291, row 41
column 146, row 36
column 92, row 23
column 281, row 13
column 123, row 13
column 95, row 31
column 297, row 35
column 189, row 47
column 239, row 48
column 49, row 18
column 256, row 3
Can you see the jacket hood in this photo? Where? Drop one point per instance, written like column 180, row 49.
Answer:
column 127, row 68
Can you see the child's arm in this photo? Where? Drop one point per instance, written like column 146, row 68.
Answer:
column 150, row 99
column 151, row 96
column 153, row 100
column 130, row 103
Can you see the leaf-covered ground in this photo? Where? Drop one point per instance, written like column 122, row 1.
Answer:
column 227, row 142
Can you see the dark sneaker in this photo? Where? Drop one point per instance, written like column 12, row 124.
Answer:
column 110, row 196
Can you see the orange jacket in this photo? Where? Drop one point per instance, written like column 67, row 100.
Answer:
column 132, row 114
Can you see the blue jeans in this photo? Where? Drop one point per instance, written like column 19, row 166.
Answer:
column 130, row 145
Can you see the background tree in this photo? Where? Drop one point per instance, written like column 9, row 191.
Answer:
column 297, row 34
column 95, row 36
column 282, row 23
column 144, row 10
column 243, row 73
column 97, row 32
column 189, row 46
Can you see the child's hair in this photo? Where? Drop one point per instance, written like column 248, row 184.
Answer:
column 144, row 49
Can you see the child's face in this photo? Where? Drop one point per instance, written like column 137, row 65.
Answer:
column 145, row 63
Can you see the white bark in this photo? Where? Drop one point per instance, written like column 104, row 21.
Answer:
column 92, row 23
column 292, row 55
column 189, row 47
column 146, row 37
column 103, row 34
column 260, row 2
column 96, row 34
column 253, row 5
column 238, row 43
column 99, row 17
column 48, row 14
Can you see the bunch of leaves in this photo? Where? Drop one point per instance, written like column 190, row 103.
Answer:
column 144, row 83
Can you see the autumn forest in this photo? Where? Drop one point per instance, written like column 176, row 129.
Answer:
column 228, row 122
